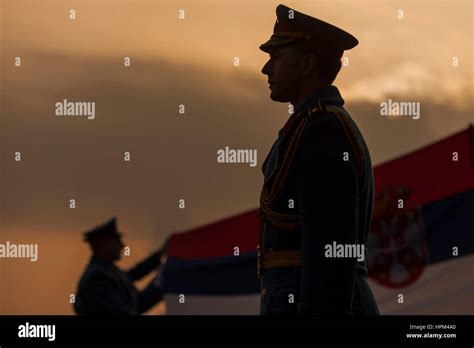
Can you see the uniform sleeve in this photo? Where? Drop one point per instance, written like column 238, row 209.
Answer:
column 144, row 267
column 327, row 195
column 148, row 297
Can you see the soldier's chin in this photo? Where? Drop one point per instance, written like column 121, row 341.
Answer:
column 278, row 97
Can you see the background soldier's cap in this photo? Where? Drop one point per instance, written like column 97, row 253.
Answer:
column 108, row 229
column 292, row 26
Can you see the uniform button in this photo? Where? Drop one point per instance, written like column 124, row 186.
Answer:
column 264, row 293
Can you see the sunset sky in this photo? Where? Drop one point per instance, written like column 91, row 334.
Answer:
column 173, row 156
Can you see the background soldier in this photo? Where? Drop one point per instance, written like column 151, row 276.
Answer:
column 318, row 183
column 104, row 289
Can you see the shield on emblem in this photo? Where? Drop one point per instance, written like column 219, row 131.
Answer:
column 396, row 243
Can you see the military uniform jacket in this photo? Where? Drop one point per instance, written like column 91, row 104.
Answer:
column 329, row 186
column 104, row 289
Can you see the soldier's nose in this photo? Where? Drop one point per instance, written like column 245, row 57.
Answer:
column 265, row 69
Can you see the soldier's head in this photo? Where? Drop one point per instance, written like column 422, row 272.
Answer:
column 305, row 54
column 295, row 68
column 105, row 241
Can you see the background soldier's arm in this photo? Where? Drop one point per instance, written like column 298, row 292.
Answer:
column 148, row 297
column 144, row 267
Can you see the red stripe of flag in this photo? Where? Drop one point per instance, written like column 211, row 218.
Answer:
column 217, row 239
column 430, row 173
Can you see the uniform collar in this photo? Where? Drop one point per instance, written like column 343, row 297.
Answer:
column 327, row 94
column 100, row 261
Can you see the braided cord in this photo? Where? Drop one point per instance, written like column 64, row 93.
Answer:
column 292, row 221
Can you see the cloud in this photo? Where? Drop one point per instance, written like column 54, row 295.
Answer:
column 416, row 81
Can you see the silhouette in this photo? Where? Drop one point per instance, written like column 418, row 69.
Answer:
column 104, row 289
column 318, row 184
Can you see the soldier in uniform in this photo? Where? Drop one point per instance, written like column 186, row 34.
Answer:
column 104, row 289
column 318, row 181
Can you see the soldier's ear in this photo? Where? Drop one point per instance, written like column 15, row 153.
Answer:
column 310, row 64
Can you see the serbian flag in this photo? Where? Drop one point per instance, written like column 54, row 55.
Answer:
column 421, row 245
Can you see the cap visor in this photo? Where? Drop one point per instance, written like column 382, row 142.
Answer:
column 276, row 42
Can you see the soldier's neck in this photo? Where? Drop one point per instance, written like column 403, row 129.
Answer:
column 103, row 258
column 307, row 92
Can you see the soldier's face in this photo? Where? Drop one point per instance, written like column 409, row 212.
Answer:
column 117, row 248
column 108, row 247
column 284, row 70
column 113, row 248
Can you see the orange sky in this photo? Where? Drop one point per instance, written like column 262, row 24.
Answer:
column 174, row 156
